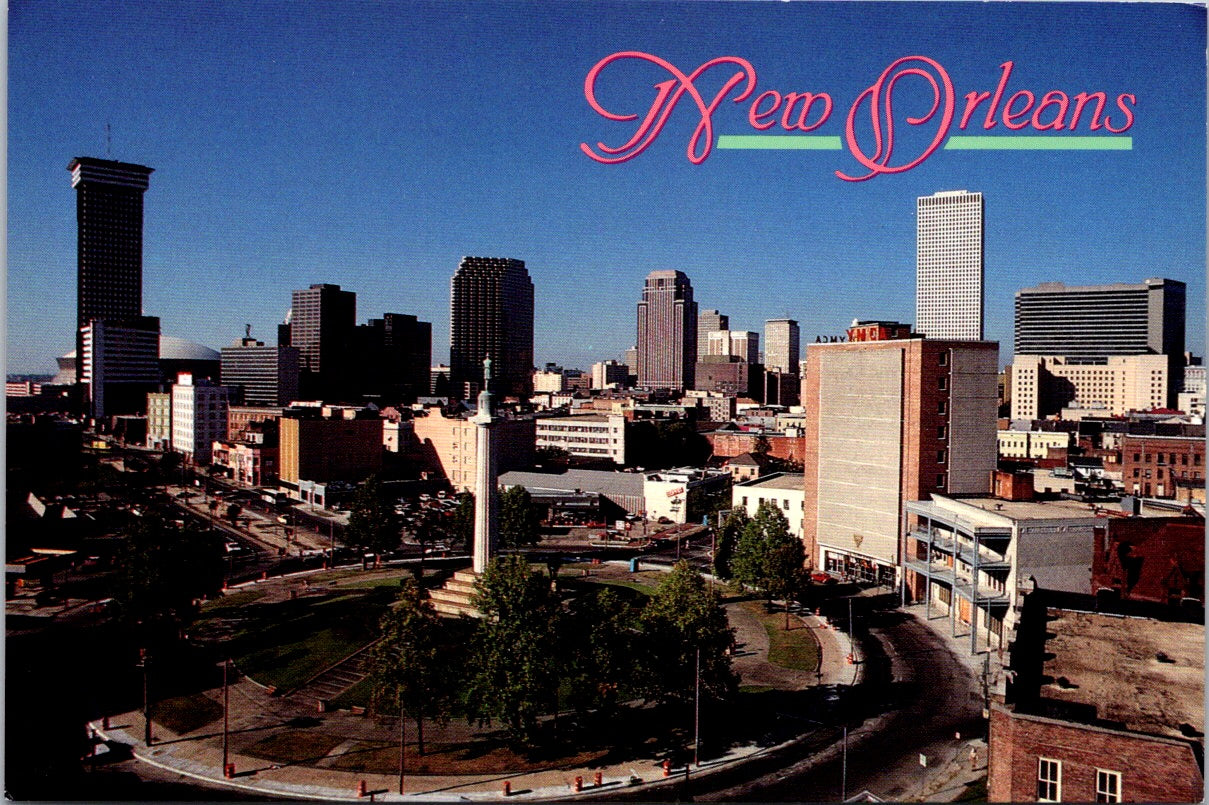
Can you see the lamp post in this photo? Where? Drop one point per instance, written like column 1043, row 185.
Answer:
column 402, row 744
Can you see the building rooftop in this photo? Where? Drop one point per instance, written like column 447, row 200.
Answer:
column 1141, row 674
column 601, row 481
column 993, row 511
column 795, row 481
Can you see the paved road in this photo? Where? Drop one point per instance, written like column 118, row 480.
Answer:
column 916, row 696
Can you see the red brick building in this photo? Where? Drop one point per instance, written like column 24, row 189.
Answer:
column 1153, row 466
column 729, row 444
column 1102, row 709
column 1157, row 560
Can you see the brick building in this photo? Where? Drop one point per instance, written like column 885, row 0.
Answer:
column 1157, row 560
column 890, row 421
column 329, row 449
column 1101, row 709
column 731, row 443
column 448, row 446
column 1156, row 466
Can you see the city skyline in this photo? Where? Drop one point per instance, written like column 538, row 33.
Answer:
column 232, row 224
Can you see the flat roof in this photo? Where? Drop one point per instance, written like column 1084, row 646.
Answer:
column 601, row 481
column 1017, row 510
column 1145, row 674
column 795, row 481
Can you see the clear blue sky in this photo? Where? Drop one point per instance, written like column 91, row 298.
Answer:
column 375, row 144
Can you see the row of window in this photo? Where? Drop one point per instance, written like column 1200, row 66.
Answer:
column 1049, row 782
column 1171, row 458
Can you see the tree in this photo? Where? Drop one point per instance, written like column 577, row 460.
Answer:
column 727, row 539
column 767, row 530
column 513, row 668
column 461, row 527
column 762, row 446
column 768, row 557
column 371, row 524
column 682, row 617
column 520, row 524
column 409, row 672
column 599, row 641
column 163, row 572
column 233, row 512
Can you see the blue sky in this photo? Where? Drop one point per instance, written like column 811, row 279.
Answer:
column 375, row 144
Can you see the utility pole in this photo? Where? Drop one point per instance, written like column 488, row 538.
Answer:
column 146, row 700
column 844, row 768
column 697, row 714
column 226, row 715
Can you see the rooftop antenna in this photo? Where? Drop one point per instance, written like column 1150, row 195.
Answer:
column 108, row 142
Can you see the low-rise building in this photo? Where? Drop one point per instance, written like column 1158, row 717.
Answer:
column 785, row 490
column 593, row 436
column 449, row 446
column 159, row 420
column 682, row 495
column 1101, row 708
column 967, row 558
column 583, row 496
column 322, row 449
column 1159, row 466
column 199, row 417
column 1031, row 444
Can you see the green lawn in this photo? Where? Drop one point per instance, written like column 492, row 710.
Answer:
column 287, row 642
column 797, row 649
column 229, row 600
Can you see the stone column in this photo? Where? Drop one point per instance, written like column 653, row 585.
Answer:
column 486, row 494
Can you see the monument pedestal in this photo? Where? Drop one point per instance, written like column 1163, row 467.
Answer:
column 453, row 599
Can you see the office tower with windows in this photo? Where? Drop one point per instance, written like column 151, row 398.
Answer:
column 491, row 316
column 949, row 265
column 667, row 332
column 321, row 324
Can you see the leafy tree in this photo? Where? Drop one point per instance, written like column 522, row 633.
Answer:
column 233, row 512
column 461, row 527
column 371, row 523
column 762, row 446
column 409, row 667
column 726, row 541
column 673, row 443
column 163, row 572
column 520, row 523
column 600, row 645
column 768, row 557
column 513, row 668
column 684, row 615
column 551, row 456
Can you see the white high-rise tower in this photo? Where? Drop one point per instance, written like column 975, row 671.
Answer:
column 949, row 265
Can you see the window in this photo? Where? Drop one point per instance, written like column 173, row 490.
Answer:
column 942, row 407
column 1108, row 786
column 1049, row 780
column 942, row 432
column 942, row 382
column 940, row 456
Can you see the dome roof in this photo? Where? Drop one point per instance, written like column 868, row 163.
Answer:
column 178, row 349
column 173, row 349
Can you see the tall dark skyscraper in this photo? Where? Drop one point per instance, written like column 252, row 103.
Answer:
column 109, row 238
column 667, row 332
column 394, row 355
column 491, row 316
column 116, row 346
column 322, row 318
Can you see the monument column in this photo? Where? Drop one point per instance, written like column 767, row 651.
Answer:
column 486, row 494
